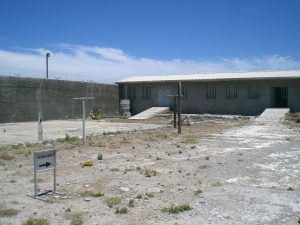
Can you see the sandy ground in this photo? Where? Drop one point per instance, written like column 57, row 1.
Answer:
column 249, row 172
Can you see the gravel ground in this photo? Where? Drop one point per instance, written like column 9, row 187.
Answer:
column 248, row 172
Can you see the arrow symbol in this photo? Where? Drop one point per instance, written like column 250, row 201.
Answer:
column 45, row 165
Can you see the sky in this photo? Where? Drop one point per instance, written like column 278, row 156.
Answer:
column 108, row 40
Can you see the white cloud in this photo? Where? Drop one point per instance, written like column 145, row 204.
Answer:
column 107, row 65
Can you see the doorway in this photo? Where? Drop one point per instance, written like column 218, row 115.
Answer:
column 279, row 97
column 162, row 97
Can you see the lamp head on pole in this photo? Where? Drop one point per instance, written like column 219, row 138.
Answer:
column 48, row 54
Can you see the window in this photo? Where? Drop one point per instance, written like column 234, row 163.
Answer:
column 146, row 93
column 231, row 91
column 184, row 92
column 253, row 91
column 131, row 93
column 211, row 91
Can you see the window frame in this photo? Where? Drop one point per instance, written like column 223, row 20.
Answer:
column 231, row 91
column 211, row 91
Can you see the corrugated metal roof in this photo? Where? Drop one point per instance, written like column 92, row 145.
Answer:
column 289, row 74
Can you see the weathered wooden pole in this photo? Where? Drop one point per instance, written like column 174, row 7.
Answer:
column 179, row 107
column 175, row 111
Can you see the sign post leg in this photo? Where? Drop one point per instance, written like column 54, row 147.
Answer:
column 83, row 121
column 54, row 180
column 35, row 186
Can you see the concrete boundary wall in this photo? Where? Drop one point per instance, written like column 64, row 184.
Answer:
column 22, row 99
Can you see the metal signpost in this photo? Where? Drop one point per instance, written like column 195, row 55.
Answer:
column 83, row 115
column 44, row 161
column 40, row 130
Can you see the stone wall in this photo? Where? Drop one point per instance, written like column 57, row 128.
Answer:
column 22, row 99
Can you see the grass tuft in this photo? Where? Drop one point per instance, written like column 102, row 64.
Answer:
column 87, row 163
column 68, row 139
column 76, row 218
column 177, row 209
column 8, row 212
column 6, row 156
column 95, row 194
column 112, row 201
column 114, row 170
column 122, row 210
column 100, row 156
column 150, row 173
column 149, row 194
column 131, row 203
column 139, row 196
column 36, row 221
column 198, row 191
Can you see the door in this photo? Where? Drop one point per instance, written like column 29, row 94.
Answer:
column 162, row 97
column 279, row 97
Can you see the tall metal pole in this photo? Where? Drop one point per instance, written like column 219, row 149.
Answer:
column 179, row 107
column 83, row 121
column 47, row 56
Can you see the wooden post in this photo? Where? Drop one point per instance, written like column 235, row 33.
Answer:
column 175, row 111
column 179, row 107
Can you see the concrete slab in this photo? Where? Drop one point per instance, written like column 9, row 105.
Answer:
column 12, row 133
column 150, row 113
column 273, row 114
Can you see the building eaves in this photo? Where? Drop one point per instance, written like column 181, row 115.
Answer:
column 257, row 75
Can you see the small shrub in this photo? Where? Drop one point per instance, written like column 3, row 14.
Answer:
column 112, row 201
column 177, row 209
column 6, row 156
column 76, row 218
column 95, row 114
column 203, row 167
column 15, row 146
column 36, row 221
column 150, row 173
column 131, row 203
column 139, row 196
column 122, row 210
column 114, row 170
column 68, row 139
column 8, row 212
column 178, row 145
column 198, row 191
column 149, row 195
column 216, row 184
column 100, row 157
column 87, row 163
column 95, row 194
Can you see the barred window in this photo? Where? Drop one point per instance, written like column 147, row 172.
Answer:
column 211, row 91
column 231, row 91
column 253, row 91
column 146, row 93
column 131, row 93
column 184, row 92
